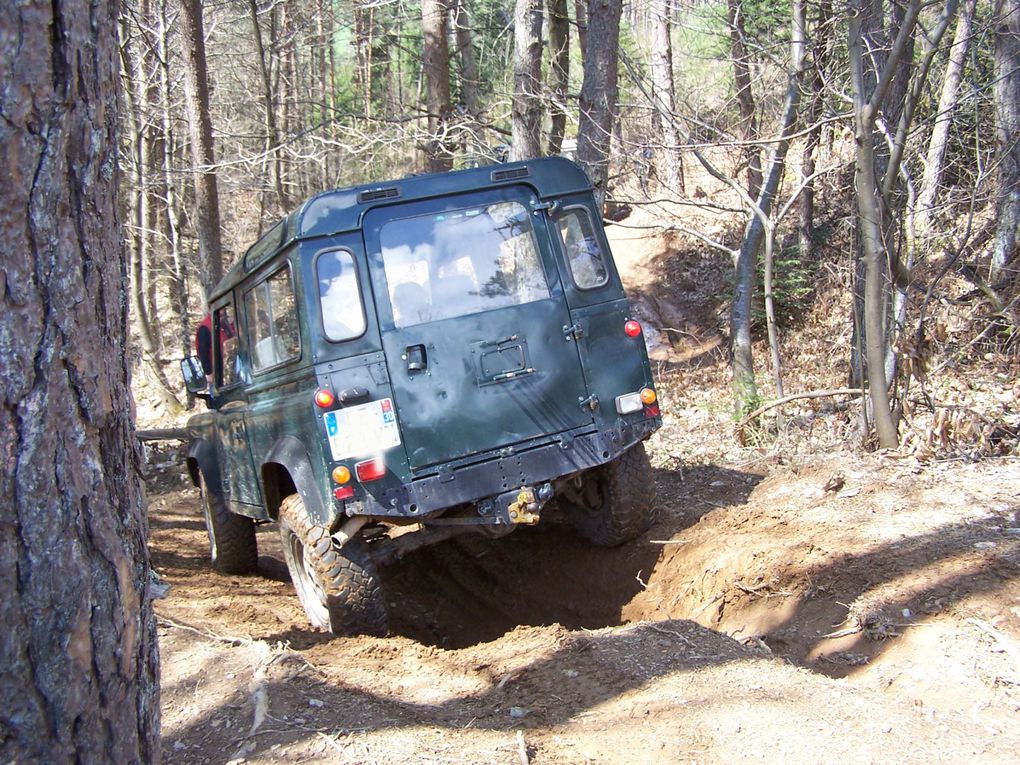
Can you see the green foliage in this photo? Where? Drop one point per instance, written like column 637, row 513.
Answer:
column 793, row 287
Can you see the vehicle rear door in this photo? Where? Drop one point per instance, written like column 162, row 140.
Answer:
column 474, row 324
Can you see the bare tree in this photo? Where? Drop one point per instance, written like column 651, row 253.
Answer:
column 599, row 91
column 876, row 180
column 670, row 160
column 745, row 96
column 559, row 72
column 203, row 156
column 761, row 228
column 1007, row 129
column 272, row 146
column 436, row 63
column 78, row 661
column 527, row 101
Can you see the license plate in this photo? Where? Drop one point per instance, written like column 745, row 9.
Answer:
column 362, row 431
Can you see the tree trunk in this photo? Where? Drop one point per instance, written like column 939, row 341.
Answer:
column 581, row 19
column 1007, row 118
column 870, row 101
column 559, row 72
column 469, row 78
column 527, row 104
column 670, row 161
column 269, row 105
column 436, row 65
column 761, row 228
column 745, row 95
column 203, row 157
column 939, row 140
column 822, row 41
column 598, row 100
column 78, row 661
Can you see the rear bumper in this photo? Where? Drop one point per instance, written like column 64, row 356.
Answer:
column 469, row 483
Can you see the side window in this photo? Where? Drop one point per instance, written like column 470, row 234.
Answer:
column 272, row 321
column 225, row 351
column 584, row 253
column 343, row 316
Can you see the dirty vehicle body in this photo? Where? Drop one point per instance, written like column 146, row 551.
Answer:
column 397, row 364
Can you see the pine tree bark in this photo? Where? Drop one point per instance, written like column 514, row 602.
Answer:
column 559, row 72
column 203, row 156
column 78, row 660
column 526, row 119
column 436, row 65
column 1007, row 129
column 599, row 91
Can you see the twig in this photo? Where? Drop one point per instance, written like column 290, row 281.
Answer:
column 522, row 749
column 667, row 541
column 787, row 399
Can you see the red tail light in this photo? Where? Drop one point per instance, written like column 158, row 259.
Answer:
column 632, row 328
column 343, row 492
column 370, row 470
column 324, row 398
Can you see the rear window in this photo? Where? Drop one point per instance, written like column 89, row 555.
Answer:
column 343, row 317
column 584, row 253
column 457, row 263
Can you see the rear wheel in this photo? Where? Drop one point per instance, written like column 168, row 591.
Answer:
column 338, row 586
column 615, row 503
column 232, row 545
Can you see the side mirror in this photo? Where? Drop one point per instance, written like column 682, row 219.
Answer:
column 194, row 377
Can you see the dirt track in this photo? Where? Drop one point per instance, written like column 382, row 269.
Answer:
column 761, row 618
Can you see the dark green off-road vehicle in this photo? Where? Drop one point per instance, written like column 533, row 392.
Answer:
column 396, row 364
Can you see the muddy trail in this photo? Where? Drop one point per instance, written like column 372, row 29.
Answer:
column 857, row 609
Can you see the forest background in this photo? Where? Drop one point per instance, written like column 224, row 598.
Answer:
column 855, row 166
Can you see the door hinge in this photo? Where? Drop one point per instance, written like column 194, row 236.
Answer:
column 575, row 331
column 592, row 402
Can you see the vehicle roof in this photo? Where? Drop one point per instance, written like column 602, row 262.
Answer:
column 341, row 210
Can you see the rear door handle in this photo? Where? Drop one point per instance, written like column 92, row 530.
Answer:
column 416, row 358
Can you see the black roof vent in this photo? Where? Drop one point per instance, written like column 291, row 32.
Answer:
column 392, row 192
column 511, row 174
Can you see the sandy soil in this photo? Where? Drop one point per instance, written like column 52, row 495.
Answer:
column 843, row 609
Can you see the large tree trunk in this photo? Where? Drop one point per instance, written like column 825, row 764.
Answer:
column 745, row 95
column 436, row 63
column 203, row 157
column 559, row 72
column 598, row 100
column 527, row 103
column 670, row 162
column 78, row 657
column 1007, row 130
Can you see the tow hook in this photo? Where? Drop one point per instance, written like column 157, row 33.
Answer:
column 526, row 507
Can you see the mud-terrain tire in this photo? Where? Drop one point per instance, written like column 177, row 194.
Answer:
column 232, row 545
column 621, row 500
column 338, row 586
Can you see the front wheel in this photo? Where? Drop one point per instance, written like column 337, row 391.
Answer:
column 232, row 545
column 615, row 502
column 338, row 586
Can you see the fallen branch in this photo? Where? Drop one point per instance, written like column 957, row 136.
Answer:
column 787, row 399
column 162, row 434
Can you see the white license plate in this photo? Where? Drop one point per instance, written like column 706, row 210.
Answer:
column 362, row 431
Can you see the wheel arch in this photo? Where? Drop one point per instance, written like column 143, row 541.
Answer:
column 287, row 470
column 202, row 459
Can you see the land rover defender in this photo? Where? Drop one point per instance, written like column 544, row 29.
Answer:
column 399, row 363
